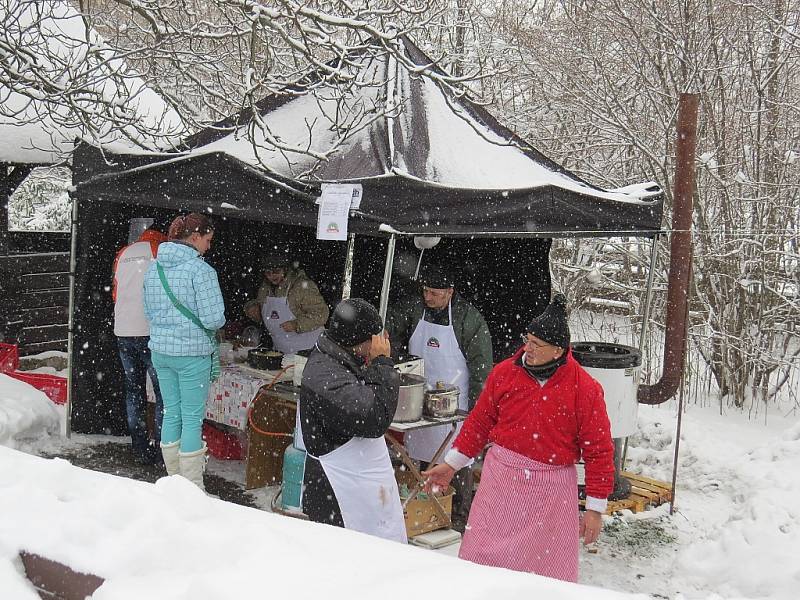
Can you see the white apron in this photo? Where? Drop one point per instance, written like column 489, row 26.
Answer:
column 275, row 311
column 361, row 475
column 445, row 362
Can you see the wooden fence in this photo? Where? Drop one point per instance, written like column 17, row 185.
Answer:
column 34, row 301
column 34, row 279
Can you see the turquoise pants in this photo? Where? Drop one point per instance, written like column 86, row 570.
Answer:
column 184, row 382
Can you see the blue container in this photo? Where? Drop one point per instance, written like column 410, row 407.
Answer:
column 294, row 466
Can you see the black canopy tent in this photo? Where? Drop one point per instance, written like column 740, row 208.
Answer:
column 225, row 185
column 430, row 163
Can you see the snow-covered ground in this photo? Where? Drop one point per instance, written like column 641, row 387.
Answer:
column 735, row 532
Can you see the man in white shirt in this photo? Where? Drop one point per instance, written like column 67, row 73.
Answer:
column 133, row 333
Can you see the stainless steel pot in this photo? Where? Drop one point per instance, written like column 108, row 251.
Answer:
column 410, row 399
column 441, row 401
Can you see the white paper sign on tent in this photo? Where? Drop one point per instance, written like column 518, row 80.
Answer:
column 334, row 208
column 357, row 191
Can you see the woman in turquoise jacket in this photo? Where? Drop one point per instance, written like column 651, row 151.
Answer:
column 183, row 302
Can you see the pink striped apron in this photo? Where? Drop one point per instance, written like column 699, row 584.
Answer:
column 524, row 517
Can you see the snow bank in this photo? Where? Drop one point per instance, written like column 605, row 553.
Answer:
column 168, row 540
column 737, row 517
column 754, row 552
column 25, row 412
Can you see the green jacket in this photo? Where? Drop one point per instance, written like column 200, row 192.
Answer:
column 306, row 303
column 472, row 335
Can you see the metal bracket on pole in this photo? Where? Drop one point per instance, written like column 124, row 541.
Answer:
column 387, row 277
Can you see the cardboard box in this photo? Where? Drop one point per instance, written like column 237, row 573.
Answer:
column 420, row 515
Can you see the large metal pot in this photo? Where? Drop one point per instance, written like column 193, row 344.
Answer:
column 410, row 399
column 441, row 401
column 264, row 360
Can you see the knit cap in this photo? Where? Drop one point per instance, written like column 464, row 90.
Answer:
column 551, row 326
column 275, row 261
column 436, row 277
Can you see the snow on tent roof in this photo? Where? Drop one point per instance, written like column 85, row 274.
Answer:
column 34, row 131
column 431, row 137
column 430, row 163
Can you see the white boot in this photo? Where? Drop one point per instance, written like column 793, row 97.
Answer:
column 193, row 464
column 170, row 454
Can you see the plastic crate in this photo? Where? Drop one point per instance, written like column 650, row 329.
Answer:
column 53, row 386
column 223, row 445
column 9, row 358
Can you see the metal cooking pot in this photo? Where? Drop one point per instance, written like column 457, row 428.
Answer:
column 265, row 360
column 410, row 399
column 441, row 401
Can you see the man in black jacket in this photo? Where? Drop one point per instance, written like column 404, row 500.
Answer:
column 348, row 398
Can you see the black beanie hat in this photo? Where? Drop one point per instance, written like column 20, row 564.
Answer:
column 551, row 326
column 436, row 277
column 275, row 261
column 354, row 321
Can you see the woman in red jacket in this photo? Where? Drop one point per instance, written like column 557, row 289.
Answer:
column 542, row 413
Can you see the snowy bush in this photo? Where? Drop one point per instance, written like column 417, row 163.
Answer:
column 41, row 202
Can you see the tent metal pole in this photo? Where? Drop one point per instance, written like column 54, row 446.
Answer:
column 71, row 311
column 648, row 305
column 348, row 266
column 419, row 263
column 677, row 441
column 387, row 277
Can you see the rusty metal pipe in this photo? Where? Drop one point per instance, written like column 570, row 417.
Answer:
column 680, row 257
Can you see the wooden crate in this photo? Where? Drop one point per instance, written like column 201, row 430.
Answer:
column 419, row 514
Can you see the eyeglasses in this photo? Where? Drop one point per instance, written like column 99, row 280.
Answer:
column 535, row 344
column 434, row 293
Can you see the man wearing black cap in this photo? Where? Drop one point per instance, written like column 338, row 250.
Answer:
column 543, row 412
column 348, row 398
column 454, row 342
column 289, row 305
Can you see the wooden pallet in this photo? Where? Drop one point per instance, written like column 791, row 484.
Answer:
column 645, row 493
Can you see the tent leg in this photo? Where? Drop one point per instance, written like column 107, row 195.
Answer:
column 648, row 306
column 677, row 439
column 648, row 303
column 348, row 266
column 387, row 277
column 71, row 311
